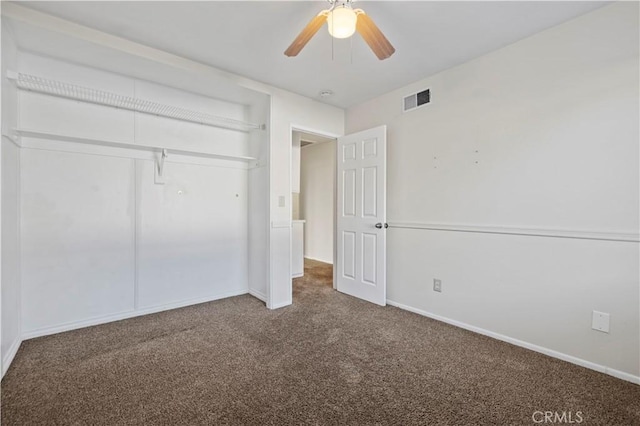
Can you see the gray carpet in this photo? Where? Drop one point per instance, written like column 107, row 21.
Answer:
column 329, row 359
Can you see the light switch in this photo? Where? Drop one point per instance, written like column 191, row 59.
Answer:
column 600, row 321
column 281, row 200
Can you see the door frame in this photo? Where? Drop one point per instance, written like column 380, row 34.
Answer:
column 300, row 128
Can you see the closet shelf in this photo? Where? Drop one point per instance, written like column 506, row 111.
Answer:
column 114, row 144
column 101, row 97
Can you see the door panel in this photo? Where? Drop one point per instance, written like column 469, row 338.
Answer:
column 349, row 255
column 369, row 195
column 349, row 193
column 369, row 249
column 361, row 205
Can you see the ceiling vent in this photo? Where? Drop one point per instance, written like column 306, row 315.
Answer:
column 416, row 100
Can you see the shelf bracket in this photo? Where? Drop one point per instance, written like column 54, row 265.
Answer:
column 159, row 178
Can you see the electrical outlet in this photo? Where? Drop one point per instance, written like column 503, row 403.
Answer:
column 437, row 285
column 600, row 321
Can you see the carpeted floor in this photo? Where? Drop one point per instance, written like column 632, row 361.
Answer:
column 329, row 359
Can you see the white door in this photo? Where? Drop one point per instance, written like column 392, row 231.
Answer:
column 361, row 215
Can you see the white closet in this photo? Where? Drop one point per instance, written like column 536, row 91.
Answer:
column 134, row 194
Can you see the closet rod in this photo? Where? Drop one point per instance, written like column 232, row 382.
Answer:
column 101, row 97
column 25, row 133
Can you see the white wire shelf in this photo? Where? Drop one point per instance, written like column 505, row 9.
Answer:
column 115, row 144
column 101, row 97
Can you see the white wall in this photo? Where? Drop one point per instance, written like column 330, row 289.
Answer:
column 540, row 136
column 258, row 205
column 317, row 199
column 9, row 152
column 192, row 234
column 287, row 111
column 99, row 236
column 10, row 261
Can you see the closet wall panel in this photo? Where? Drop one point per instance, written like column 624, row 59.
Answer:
column 77, row 218
column 192, row 233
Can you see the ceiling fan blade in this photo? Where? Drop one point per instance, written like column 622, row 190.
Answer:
column 373, row 36
column 305, row 35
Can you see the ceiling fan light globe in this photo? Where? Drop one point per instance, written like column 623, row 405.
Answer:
column 341, row 22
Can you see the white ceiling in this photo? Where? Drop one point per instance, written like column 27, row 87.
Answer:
column 249, row 38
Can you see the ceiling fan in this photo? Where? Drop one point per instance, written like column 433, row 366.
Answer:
column 342, row 22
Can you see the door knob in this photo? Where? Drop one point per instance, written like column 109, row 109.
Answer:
column 379, row 225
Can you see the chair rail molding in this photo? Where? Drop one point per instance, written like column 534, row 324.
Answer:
column 631, row 237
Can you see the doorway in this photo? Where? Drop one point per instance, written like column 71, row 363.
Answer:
column 313, row 195
column 347, row 188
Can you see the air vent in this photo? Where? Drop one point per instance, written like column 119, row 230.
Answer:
column 416, row 100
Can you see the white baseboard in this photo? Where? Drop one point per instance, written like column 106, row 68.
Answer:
column 11, row 354
column 280, row 305
column 621, row 375
column 125, row 315
column 258, row 295
column 297, row 275
column 550, row 352
column 330, row 262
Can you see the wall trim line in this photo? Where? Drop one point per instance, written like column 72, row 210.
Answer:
column 258, row 295
column 319, row 260
column 630, row 237
column 280, row 305
column 126, row 315
column 533, row 347
column 136, row 224
column 13, row 139
column 281, row 224
column 11, row 354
